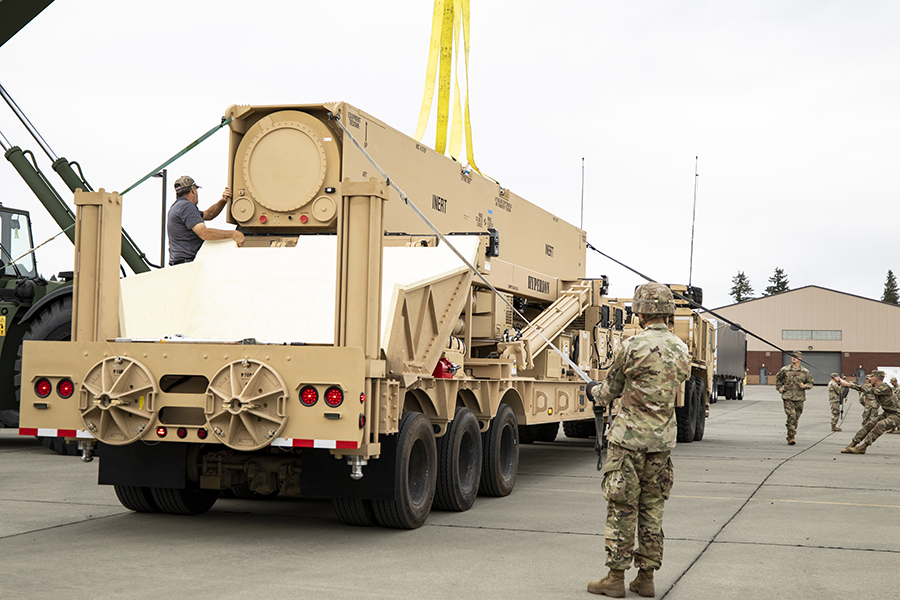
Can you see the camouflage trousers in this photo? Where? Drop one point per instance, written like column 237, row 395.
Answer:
column 835, row 413
column 793, row 409
column 872, row 430
column 870, row 415
column 636, row 486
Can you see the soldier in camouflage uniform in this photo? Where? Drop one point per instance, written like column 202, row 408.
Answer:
column 835, row 398
column 890, row 418
column 792, row 382
column 896, row 395
column 637, row 478
column 867, row 399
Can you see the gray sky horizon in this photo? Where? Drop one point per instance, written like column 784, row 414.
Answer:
column 790, row 106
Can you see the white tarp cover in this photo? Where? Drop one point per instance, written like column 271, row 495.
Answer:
column 271, row 294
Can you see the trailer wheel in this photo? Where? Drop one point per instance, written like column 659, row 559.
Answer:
column 459, row 463
column 138, row 499
column 740, row 390
column 354, row 511
column 500, row 461
column 580, row 429
column 700, row 407
column 52, row 324
column 684, row 415
column 415, row 470
column 189, row 501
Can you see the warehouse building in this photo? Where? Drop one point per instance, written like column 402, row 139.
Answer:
column 836, row 331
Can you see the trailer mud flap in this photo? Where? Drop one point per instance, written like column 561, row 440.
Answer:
column 323, row 476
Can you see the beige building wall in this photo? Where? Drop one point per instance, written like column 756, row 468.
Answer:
column 866, row 325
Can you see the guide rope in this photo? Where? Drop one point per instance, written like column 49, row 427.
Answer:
column 697, row 305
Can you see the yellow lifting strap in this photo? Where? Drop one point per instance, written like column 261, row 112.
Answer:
column 449, row 17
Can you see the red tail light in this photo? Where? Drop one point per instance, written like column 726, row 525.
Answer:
column 43, row 387
column 201, row 433
column 362, row 397
column 181, row 432
column 309, row 396
column 161, row 431
column 334, row 396
column 65, row 388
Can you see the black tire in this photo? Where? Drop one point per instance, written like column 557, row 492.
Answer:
column 580, row 429
column 740, row 390
column 138, row 499
column 9, row 418
column 354, row 511
column 52, row 324
column 189, row 501
column 59, row 446
column 459, row 463
column 244, row 492
column 684, row 415
column 547, row 432
column 700, row 407
column 500, row 461
column 415, row 473
column 527, row 434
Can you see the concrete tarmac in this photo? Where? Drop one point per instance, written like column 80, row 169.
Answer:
column 749, row 517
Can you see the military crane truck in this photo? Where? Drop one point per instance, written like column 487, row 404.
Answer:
column 344, row 351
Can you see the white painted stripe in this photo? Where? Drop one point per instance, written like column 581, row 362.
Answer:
column 282, row 442
column 83, row 435
column 325, row 444
column 47, row 432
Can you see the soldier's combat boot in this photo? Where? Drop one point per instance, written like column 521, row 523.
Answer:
column 835, row 428
column 643, row 584
column 791, row 441
column 849, row 448
column 861, row 449
column 613, row 585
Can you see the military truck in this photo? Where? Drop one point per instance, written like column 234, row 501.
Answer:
column 31, row 307
column 731, row 363
column 345, row 351
column 697, row 331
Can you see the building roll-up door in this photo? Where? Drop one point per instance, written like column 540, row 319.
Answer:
column 820, row 364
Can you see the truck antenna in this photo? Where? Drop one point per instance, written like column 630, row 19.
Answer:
column 693, row 219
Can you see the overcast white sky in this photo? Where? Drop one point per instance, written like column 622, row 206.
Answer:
column 792, row 107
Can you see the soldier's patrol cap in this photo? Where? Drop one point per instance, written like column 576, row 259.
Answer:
column 893, row 380
column 184, row 182
column 878, row 374
column 797, row 354
column 834, row 374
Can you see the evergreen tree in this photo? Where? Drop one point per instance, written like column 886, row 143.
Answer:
column 779, row 283
column 890, row 289
column 741, row 290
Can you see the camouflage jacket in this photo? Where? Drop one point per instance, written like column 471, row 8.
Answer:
column 794, row 382
column 874, row 396
column 834, row 391
column 647, row 371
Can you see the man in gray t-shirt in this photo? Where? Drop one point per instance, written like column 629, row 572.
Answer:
column 187, row 230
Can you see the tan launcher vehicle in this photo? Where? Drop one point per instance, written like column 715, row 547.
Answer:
column 344, row 351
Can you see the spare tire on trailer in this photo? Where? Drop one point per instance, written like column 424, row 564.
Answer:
column 53, row 323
